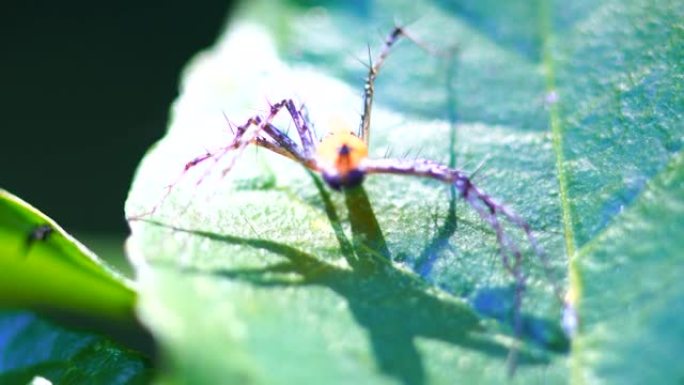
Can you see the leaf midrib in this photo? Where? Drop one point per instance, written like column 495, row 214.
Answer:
column 545, row 20
column 573, row 295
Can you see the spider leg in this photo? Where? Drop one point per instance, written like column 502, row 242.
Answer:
column 276, row 140
column 304, row 113
column 238, row 143
column 303, row 128
column 249, row 132
column 472, row 194
column 279, row 142
column 488, row 209
column 215, row 155
column 369, row 88
column 270, row 145
column 374, row 69
column 287, row 147
column 485, row 205
column 507, row 249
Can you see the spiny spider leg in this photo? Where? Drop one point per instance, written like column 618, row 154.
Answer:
column 431, row 169
column 280, row 143
column 236, row 143
column 287, row 145
column 488, row 209
column 274, row 147
column 216, row 155
column 472, row 194
column 506, row 248
column 374, row 69
column 302, row 129
column 244, row 137
column 369, row 88
column 283, row 146
column 519, row 222
column 304, row 113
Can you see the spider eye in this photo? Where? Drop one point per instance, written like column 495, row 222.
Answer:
column 337, row 182
column 344, row 150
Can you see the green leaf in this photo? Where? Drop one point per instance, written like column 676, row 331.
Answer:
column 264, row 276
column 43, row 267
column 618, row 71
column 32, row 348
column 640, row 322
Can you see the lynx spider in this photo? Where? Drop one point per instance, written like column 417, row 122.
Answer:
column 341, row 158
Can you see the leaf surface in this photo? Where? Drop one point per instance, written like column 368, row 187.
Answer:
column 44, row 267
column 265, row 276
column 31, row 347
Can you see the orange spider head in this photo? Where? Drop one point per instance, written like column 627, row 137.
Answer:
column 340, row 154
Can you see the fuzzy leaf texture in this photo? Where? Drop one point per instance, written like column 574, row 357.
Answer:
column 265, row 276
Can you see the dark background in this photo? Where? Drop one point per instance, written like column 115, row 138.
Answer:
column 85, row 88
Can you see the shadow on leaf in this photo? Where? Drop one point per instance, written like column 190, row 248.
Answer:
column 395, row 307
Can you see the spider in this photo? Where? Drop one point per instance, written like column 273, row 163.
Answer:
column 341, row 158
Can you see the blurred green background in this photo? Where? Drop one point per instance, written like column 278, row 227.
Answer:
column 85, row 90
